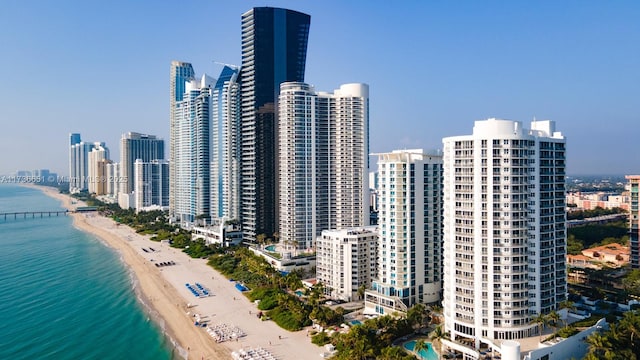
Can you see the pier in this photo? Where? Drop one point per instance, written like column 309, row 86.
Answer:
column 32, row 214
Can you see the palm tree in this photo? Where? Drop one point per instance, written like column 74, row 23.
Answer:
column 599, row 345
column 437, row 336
column 566, row 304
column 553, row 318
column 541, row 320
column 416, row 315
column 260, row 238
column 419, row 346
column 361, row 289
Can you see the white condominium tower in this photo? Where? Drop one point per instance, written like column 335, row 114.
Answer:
column 225, row 146
column 191, row 180
column 181, row 73
column 410, row 229
column 323, row 160
column 504, row 229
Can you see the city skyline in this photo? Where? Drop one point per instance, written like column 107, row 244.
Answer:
column 433, row 70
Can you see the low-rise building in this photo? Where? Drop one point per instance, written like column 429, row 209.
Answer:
column 346, row 260
column 222, row 231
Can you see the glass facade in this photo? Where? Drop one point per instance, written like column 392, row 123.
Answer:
column 274, row 48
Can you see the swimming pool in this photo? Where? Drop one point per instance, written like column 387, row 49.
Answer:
column 271, row 248
column 355, row 322
column 428, row 354
column 299, row 293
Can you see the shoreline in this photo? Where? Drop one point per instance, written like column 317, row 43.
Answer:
column 162, row 293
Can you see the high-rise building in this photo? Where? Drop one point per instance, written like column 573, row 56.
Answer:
column 192, row 146
column 134, row 146
column 323, row 160
column 274, row 50
column 151, row 184
column 410, row 230
column 346, row 260
column 98, row 158
column 634, row 216
column 113, row 179
column 225, row 146
column 504, row 229
column 181, row 73
column 79, row 162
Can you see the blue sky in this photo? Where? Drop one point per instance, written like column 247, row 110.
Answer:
column 434, row 67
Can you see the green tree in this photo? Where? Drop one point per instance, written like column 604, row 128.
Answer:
column 419, row 346
column 416, row 316
column 631, row 282
column 569, row 305
column 553, row 319
column 541, row 320
column 600, row 346
column 437, row 336
column 260, row 238
column 361, row 289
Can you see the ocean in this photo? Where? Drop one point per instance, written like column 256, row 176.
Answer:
column 64, row 294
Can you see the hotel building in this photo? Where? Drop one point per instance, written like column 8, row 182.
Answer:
column 504, row 230
column 410, row 230
column 346, row 260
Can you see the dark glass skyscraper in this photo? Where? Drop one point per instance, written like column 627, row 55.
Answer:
column 274, row 50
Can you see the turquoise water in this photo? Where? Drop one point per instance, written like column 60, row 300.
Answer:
column 428, row 354
column 355, row 322
column 271, row 248
column 64, row 294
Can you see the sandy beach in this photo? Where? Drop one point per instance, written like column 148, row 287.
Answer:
column 163, row 288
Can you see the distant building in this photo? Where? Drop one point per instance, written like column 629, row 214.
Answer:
column 79, row 162
column 346, row 260
column 410, row 230
column 113, row 179
column 151, row 185
column 134, row 146
column 591, row 201
column 96, row 164
column 634, row 217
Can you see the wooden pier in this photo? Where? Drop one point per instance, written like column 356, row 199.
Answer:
column 32, row 214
